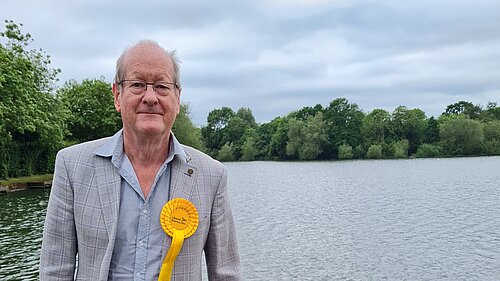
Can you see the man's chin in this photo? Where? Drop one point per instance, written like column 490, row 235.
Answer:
column 152, row 129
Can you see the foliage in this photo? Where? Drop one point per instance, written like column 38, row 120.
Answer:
column 315, row 137
column 306, row 112
column 345, row 152
column 262, row 137
column 249, row 149
column 344, row 123
column 213, row 134
column 374, row 151
column 359, row 152
column 429, row 151
column 295, row 131
column 226, row 153
column 279, row 139
column 465, row 108
column 400, row 149
column 90, row 111
column 32, row 127
column 27, row 179
column 461, row 136
column 184, row 129
column 227, row 127
column 306, row 139
column 409, row 124
column 375, row 126
column 492, row 112
column 492, row 138
column 431, row 131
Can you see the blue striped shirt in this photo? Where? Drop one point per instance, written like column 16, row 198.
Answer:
column 137, row 254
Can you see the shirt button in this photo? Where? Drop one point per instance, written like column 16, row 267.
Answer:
column 145, row 211
column 138, row 274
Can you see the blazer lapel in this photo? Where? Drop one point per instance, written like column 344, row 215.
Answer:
column 108, row 183
column 182, row 182
column 182, row 179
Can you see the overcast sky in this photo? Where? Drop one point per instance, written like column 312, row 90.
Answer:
column 276, row 56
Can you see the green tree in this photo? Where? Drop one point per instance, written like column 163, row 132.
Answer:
column 344, row 122
column 90, row 109
column 184, row 129
column 374, row 151
column 246, row 115
column 375, row 126
column 345, row 152
column 432, row 131
column 400, row 149
column 31, row 130
column 315, row 138
column 306, row 112
column 492, row 112
column 359, row 152
column 429, row 151
column 226, row 153
column 236, row 128
column 263, row 136
column 279, row 138
column 461, row 136
column 464, row 107
column 249, row 148
column 306, row 139
column 214, row 134
column 295, row 140
column 492, row 137
column 409, row 124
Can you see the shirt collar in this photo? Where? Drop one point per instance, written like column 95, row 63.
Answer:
column 113, row 147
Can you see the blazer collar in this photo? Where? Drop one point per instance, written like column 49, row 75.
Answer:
column 107, row 183
column 182, row 177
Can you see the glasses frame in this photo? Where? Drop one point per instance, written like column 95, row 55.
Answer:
column 147, row 84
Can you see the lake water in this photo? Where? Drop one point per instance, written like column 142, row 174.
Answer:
column 21, row 223
column 419, row 219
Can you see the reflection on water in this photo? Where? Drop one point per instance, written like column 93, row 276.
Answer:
column 423, row 219
column 417, row 219
column 21, row 223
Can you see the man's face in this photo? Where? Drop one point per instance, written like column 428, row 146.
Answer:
column 147, row 114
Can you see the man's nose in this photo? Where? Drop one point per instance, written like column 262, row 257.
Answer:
column 149, row 95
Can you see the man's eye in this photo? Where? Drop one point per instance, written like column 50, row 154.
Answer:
column 137, row 85
column 162, row 86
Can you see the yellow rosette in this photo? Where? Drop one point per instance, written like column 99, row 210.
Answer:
column 179, row 219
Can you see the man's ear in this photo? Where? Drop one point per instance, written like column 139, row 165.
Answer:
column 179, row 101
column 116, row 95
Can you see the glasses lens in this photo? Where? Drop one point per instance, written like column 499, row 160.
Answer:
column 137, row 86
column 163, row 88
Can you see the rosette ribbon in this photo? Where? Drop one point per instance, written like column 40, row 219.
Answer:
column 179, row 219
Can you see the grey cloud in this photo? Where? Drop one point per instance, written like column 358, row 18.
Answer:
column 276, row 56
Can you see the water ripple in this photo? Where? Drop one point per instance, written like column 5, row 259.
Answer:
column 368, row 220
column 423, row 219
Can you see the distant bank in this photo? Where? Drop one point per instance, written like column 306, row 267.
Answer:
column 33, row 182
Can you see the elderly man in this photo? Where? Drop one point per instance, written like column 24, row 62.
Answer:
column 103, row 215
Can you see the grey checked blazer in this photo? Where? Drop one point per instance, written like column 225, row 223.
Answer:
column 82, row 217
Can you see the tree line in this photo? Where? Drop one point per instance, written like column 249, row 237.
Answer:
column 37, row 119
column 343, row 131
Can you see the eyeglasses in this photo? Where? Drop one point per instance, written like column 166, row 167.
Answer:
column 162, row 88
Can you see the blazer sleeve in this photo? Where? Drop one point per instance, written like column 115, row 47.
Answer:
column 59, row 246
column 221, row 248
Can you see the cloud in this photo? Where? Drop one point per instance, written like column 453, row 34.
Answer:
column 276, row 56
